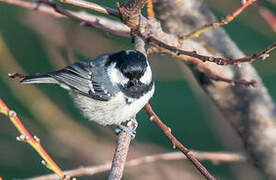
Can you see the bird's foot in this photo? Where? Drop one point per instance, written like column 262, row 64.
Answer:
column 129, row 127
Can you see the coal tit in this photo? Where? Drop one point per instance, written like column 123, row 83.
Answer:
column 110, row 89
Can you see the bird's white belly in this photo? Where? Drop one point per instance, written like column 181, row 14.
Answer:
column 114, row 111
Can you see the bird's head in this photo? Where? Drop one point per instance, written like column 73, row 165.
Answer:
column 130, row 69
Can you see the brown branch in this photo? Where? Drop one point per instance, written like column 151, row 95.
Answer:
column 124, row 139
column 120, row 155
column 215, row 157
column 130, row 12
column 105, row 24
column 73, row 16
column 211, row 75
column 176, row 143
column 223, row 21
column 16, row 75
column 217, row 60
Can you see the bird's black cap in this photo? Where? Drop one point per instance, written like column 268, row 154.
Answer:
column 131, row 63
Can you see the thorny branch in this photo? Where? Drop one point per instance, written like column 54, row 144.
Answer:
column 34, row 142
column 176, row 143
column 215, row 157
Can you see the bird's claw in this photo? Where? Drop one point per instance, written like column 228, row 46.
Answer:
column 128, row 128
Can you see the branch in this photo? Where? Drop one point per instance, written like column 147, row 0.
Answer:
column 211, row 75
column 34, row 142
column 215, row 157
column 83, row 22
column 217, row 60
column 130, row 12
column 93, row 6
column 84, row 18
column 120, row 155
column 124, row 139
column 176, row 143
column 223, row 21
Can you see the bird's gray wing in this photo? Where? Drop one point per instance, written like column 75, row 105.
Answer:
column 87, row 78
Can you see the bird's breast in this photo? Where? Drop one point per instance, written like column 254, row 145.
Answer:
column 115, row 111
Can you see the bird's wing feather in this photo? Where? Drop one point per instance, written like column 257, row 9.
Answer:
column 87, row 78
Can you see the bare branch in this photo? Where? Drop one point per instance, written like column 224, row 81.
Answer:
column 124, row 139
column 130, row 12
column 84, row 18
column 211, row 75
column 120, row 155
column 93, row 6
column 219, row 61
column 215, row 157
column 223, row 21
column 176, row 143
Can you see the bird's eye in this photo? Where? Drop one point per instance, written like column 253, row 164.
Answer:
column 128, row 75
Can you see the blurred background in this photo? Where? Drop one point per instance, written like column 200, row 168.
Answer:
column 32, row 42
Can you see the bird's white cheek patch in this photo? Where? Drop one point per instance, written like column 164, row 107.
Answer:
column 147, row 77
column 116, row 77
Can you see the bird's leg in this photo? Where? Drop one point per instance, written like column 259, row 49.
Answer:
column 128, row 127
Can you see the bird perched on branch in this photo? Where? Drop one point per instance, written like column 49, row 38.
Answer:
column 110, row 89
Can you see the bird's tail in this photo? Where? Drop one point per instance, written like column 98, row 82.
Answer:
column 44, row 78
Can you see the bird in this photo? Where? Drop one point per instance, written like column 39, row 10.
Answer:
column 109, row 89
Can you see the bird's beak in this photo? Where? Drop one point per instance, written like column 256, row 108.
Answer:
column 134, row 82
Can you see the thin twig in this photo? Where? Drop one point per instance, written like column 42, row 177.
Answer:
column 93, row 6
column 220, row 61
column 176, row 143
column 215, row 157
column 223, row 21
column 34, row 142
column 210, row 74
